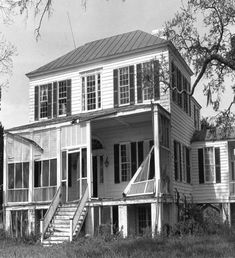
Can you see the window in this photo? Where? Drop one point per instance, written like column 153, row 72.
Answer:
column 91, row 92
column 209, row 165
column 43, row 101
column 177, row 161
column 45, row 173
column 18, row 175
column 148, row 81
column 125, row 162
column 52, row 100
column 124, row 87
column 144, row 218
column 180, row 89
column 186, row 176
column 62, row 98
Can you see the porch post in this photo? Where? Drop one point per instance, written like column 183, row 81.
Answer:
column 153, row 217
column 5, row 177
column 122, row 220
column 31, row 184
column 157, row 165
column 89, row 160
column 58, row 155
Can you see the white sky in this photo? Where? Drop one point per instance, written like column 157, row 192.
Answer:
column 102, row 18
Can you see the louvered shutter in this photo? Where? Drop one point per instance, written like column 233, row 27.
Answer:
column 176, row 161
column 133, row 158
column 139, row 84
column 188, row 166
column 49, row 111
column 156, row 80
column 180, row 161
column 69, row 102
column 55, row 99
column 132, row 85
column 36, row 103
column 201, row 166
column 217, row 165
column 115, row 87
column 140, row 152
column 116, row 164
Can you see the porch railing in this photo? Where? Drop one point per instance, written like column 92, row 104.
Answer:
column 44, row 223
column 78, row 212
column 18, row 195
column 43, row 194
column 232, row 188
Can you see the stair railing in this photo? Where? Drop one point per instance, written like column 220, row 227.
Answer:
column 44, row 223
column 78, row 212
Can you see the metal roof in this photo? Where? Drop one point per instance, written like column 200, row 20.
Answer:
column 102, row 49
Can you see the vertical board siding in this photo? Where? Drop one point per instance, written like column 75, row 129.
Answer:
column 211, row 192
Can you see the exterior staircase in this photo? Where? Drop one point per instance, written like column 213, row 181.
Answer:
column 59, row 229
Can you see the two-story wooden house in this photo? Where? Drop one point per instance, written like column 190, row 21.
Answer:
column 103, row 146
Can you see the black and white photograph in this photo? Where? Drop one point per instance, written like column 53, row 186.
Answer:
column 117, row 128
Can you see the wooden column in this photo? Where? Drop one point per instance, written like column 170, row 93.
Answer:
column 58, row 156
column 122, row 220
column 157, row 165
column 31, row 175
column 111, row 219
column 89, row 159
column 5, row 172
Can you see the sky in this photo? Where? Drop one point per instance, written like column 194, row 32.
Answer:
column 100, row 19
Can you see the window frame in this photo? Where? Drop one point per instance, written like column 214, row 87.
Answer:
column 210, row 165
column 41, row 184
column 128, row 85
column 14, row 176
column 40, row 102
column 128, row 162
column 97, row 91
column 61, row 98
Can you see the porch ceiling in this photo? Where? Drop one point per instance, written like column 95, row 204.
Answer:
column 123, row 120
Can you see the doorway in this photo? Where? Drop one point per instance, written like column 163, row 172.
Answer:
column 98, row 172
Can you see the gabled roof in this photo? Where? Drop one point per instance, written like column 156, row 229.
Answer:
column 103, row 49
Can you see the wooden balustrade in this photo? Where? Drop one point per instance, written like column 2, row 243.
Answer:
column 44, row 223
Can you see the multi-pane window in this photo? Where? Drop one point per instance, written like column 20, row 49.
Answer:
column 209, row 164
column 125, row 161
column 62, row 98
column 45, row 173
column 18, row 175
column 124, row 86
column 43, row 101
column 91, row 92
column 148, row 81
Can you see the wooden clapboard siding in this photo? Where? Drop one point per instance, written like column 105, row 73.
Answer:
column 211, row 192
column 113, row 136
column 106, row 70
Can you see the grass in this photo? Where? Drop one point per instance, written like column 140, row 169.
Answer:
column 218, row 245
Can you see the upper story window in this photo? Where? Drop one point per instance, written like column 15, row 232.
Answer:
column 209, row 165
column 148, row 81
column 52, row 100
column 91, row 92
column 180, row 89
column 43, row 101
column 62, row 98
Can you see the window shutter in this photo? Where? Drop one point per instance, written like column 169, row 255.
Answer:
column 49, row 112
column 176, row 161
column 156, row 80
column 116, row 164
column 140, row 152
column 180, row 161
column 68, row 104
column 188, row 165
column 36, row 103
column 139, row 84
column 115, row 87
column 133, row 158
column 132, row 85
column 55, row 99
column 201, row 166
column 217, row 165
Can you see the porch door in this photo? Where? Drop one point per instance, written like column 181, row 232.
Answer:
column 98, row 172
column 73, row 185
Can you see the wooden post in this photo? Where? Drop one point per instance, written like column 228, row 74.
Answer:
column 41, row 229
column 89, row 159
column 71, row 230
column 58, row 154
column 31, row 177
column 111, row 219
column 122, row 220
column 5, row 173
column 153, row 217
column 100, row 214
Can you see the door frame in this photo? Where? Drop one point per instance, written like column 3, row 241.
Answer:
column 97, row 153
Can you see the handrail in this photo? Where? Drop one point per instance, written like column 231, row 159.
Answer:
column 44, row 223
column 78, row 212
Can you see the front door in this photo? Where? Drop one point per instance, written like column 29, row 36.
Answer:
column 73, row 172
column 98, row 172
